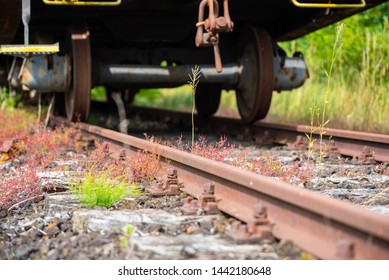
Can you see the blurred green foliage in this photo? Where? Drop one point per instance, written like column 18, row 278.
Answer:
column 9, row 99
column 360, row 83
column 99, row 93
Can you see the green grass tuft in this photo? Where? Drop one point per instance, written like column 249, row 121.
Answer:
column 101, row 190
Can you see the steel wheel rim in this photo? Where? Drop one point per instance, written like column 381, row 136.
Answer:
column 255, row 88
column 77, row 98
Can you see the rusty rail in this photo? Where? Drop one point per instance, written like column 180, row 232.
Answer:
column 349, row 143
column 327, row 228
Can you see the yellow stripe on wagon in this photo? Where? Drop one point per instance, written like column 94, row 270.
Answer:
column 83, row 3
column 362, row 4
column 27, row 50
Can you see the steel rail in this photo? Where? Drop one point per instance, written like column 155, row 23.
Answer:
column 349, row 143
column 326, row 227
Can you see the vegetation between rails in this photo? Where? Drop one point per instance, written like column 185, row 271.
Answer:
column 319, row 115
column 27, row 149
column 99, row 189
column 194, row 80
column 105, row 180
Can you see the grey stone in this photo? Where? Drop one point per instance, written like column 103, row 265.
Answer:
column 92, row 220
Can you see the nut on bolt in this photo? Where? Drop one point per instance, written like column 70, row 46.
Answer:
column 207, row 200
column 257, row 228
column 332, row 152
column 365, row 157
column 190, row 206
column 300, row 143
column 122, row 156
column 170, row 186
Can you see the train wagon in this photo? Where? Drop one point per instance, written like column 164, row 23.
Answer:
column 66, row 47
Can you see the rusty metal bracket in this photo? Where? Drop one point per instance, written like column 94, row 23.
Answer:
column 207, row 200
column 213, row 25
column 257, row 229
column 190, row 206
column 85, row 143
column 332, row 151
column 365, row 157
column 206, row 203
column 264, row 138
column 170, row 186
column 300, row 143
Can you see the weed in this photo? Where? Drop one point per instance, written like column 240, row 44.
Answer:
column 319, row 114
column 35, row 148
column 100, row 189
column 145, row 166
column 193, row 82
column 125, row 239
column 21, row 183
column 218, row 151
column 335, row 52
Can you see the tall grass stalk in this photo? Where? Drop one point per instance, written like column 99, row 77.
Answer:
column 319, row 117
column 326, row 100
column 194, row 79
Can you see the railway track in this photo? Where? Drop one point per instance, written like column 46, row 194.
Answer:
column 325, row 227
column 363, row 147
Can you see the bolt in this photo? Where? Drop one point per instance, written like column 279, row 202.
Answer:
column 190, row 206
column 172, row 173
column 300, row 144
column 209, row 188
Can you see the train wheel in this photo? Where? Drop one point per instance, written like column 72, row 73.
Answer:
column 78, row 97
column 207, row 99
column 255, row 88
